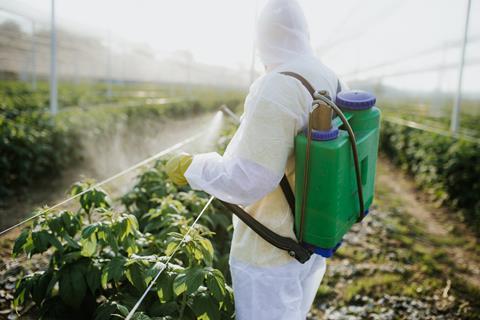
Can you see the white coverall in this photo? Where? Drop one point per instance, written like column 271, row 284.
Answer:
column 267, row 282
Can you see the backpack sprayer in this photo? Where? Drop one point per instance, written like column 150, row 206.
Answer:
column 335, row 164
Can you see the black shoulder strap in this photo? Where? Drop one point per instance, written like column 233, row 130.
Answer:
column 288, row 192
column 304, row 81
column 307, row 84
column 293, row 248
column 287, row 189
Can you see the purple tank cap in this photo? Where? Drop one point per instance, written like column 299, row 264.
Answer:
column 324, row 135
column 355, row 100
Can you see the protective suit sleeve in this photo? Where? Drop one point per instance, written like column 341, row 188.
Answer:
column 234, row 180
column 255, row 160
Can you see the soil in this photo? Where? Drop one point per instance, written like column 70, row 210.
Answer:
column 409, row 259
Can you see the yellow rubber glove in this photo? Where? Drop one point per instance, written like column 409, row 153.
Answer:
column 176, row 167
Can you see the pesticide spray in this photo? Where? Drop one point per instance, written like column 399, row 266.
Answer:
column 213, row 132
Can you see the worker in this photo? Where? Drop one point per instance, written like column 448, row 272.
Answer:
column 267, row 282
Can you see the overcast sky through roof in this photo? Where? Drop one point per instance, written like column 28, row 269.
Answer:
column 350, row 35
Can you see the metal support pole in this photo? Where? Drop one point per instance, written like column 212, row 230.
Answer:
column 34, row 57
column 109, row 65
column 53, row 64
column 458, row 98
column 189, row 75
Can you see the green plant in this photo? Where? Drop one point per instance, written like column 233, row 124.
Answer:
column 34, row 144
column 102, row 260
column 449, row 169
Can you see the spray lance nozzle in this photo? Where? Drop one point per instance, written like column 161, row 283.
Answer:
column 230, row 113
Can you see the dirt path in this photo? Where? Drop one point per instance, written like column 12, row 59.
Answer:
column 437, row 222
column 391, row 178
column 407, row 260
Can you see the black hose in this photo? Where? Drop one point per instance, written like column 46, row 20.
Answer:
column 353, row 143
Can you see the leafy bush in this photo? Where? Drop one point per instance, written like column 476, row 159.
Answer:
column 448, row 168
column 102, row 259
column 31, row 143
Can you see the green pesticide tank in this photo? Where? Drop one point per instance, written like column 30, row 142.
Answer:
column 332, row 200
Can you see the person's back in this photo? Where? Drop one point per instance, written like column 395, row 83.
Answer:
column 267, row 282
column 273, row 210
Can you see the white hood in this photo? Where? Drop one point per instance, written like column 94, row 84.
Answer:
column 282, row 33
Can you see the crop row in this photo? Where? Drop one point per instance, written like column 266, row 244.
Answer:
column 34, row 144
column 103, row 256
column 448, row 168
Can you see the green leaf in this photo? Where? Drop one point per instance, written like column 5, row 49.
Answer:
column 216, row 284
column 115, row 269
column 194, row 279
column 53, row 281
column 163, row 309
column 76, row 188
column 165, row 286
column 55, row 225
column 54, row 241
column 133, row 222
column 140, row 316
column 89, row 230
column 71, row 242
column 104, row 280
column 89, row 246
column 188, row 281
column 71, row 257
column 22, row 290
column 40, row 241
column 170, row 248
column 205, row 308
column 122, row 309
column 93, row 277
column 207, row 249
column 136, row 277
column 153, row 271
column 20, row 242
column 112, row 240
column 179, row 285
column 95, row 198
column 130, row 245
column 39, row 289
column 105, row 311
column 71, row 222
column 72, row 286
